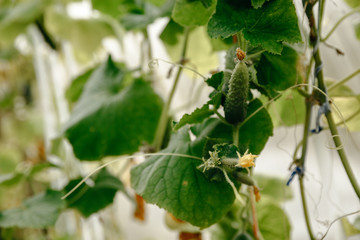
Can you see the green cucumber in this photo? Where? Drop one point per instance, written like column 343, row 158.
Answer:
column 235, row 103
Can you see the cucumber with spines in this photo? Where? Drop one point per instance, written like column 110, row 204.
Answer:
column 235, row 106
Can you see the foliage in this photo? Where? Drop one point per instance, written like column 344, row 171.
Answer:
column 202, row 168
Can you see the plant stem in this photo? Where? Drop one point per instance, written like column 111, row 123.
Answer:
column 341, row 152
column 306, row 132
column 160, row 132
column 333, row 129
column 241, row 41
column 256, row 230
column 302, row 161
column 340, row 21
column 236, row 134
column 303, row 200
column 339, row 83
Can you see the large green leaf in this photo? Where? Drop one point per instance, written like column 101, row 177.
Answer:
column 273, row 222
column 85, row 35
column 194, row 12
column 273, row 187
column 288, row 110
column 89, row 199
column 174, row 183
column 249, row 135
column 275, row 22
column 350, row 111
column 114, row 115
column 14, row 21
column 39, row 211
column 349, row 229
column 278, row 72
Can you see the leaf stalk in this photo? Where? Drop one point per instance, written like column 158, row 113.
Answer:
column 160, row 132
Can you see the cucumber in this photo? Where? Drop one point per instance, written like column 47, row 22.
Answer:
column 235, row 106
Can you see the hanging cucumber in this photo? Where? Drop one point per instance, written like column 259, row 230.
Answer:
column 235, row 103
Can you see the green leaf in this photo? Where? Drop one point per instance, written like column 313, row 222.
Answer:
column 85, row 35
column 226, row 150
column 14, row 21
column 193, row 13
column 288, row 110
column 273, row 187
column 197, row 116
column 349, row 229
column 339, row 91
column 175, row 184
column 215, row 99
column 39, row 211
column 275, row 22
column 89, row 199
column 216, row 80
column 249, row 137
column 74, row 91
column 353, row 3
column 258, row 3
column 357, row 223
column 278, row 72
column 350, row 111
column 149, row 13
column 172, row 33
column 113, row 115
column 273, row 222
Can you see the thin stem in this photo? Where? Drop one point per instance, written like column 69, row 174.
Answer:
column 341, row 152
column 306, row 132
column 339, row 83
column 160, row 132
column 321, row 14
column 303, row 200
column 241, row 41
column 255, row 54
column 340, row 21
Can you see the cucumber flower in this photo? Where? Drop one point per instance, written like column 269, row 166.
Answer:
column 247, row 160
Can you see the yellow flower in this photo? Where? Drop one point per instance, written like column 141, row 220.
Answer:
column 247, row 160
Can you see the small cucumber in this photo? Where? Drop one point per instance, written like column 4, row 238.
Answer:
column 235, row 103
